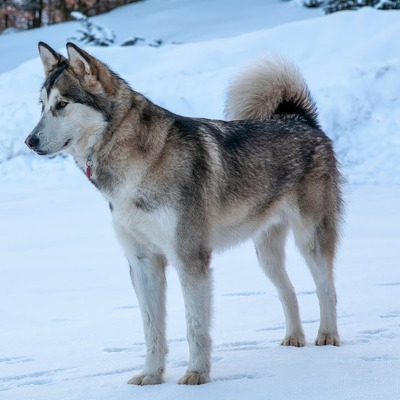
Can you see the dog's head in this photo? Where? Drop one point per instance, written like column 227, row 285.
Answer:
column 75, row 99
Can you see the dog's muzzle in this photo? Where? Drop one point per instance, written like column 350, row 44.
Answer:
column 32, row 141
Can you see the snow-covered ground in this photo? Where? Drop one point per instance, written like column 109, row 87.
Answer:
column 69, row 323
column 71, row 329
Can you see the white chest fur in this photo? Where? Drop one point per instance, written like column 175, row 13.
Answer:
column 153, row 230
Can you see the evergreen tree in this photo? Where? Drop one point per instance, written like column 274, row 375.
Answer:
column 388, row 5
column 92, row 33
column 332, row 6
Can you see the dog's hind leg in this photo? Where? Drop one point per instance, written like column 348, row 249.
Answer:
column 314, row 240
column 270, row 246
column 147, row 273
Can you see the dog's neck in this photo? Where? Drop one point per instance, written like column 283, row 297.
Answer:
column 84, row 152
column 94, row 144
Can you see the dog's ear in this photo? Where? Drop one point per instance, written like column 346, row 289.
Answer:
column 80, row 61
column 89, row 70
column 50, row 58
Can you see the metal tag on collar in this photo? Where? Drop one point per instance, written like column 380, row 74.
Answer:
column 89, row 165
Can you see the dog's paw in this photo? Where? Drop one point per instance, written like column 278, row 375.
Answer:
column 295, row 341
column 325, row 339
column 143, row 379
column 194, row 378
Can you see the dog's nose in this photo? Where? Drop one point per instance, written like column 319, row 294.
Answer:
column 32, row 141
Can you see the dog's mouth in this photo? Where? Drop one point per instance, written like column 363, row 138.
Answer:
column 41, row 152
column 50, row 153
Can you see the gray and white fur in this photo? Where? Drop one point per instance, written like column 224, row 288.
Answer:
column 181, row 188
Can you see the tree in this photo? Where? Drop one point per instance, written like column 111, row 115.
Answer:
column 35, row 8
column 332, row 6
column 4, row 15
column 92, row 33
column 388, row 4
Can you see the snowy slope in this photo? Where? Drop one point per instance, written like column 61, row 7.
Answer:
column 179, row 21
column 69, row 322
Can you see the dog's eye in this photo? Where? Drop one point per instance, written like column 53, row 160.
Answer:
column 41, row 105
column 61, row 104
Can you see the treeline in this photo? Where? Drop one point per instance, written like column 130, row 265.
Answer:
column 28, row 14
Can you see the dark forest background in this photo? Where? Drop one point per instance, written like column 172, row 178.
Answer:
column 28, row 14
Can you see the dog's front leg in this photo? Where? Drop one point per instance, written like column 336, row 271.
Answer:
column 195, row 278
column 147, row 271
column 148, row 279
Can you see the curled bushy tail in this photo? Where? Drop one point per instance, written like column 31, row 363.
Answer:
column 271, row 89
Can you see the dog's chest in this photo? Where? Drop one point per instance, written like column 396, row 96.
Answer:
column 150, row 224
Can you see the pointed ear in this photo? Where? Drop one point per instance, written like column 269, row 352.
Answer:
column 50, row 58
column 91, row 72
column 80, row 61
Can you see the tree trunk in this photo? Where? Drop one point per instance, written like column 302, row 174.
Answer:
column 37, row 14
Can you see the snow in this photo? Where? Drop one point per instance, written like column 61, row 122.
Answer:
column 69, row 322
column 71, row 327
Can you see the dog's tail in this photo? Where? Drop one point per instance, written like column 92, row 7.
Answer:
column 271, row 89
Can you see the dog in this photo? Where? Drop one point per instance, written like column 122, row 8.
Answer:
column 180, row 188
